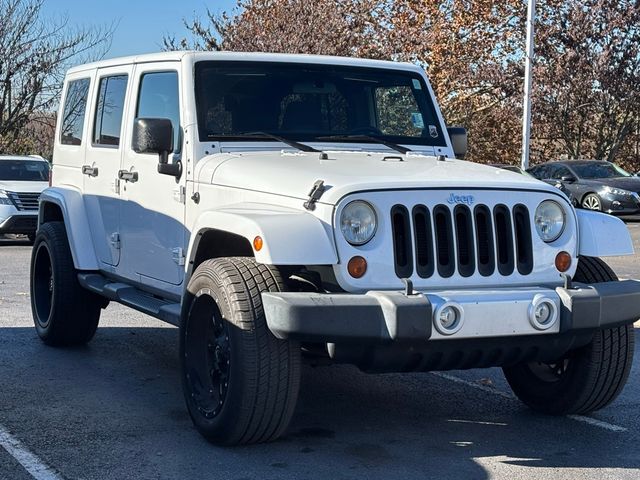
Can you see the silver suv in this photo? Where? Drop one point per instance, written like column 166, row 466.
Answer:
column 22, row 180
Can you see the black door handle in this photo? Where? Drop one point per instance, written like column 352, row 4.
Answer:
column 89, row 170
column 127, row 176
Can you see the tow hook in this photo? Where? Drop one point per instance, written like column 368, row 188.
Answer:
column 568, row 281
column 408, row 287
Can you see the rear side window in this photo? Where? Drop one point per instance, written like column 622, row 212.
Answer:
column 75, row 105
column 111, row 94
column 159, row 98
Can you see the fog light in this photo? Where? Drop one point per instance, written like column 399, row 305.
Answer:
column 543, row 313
column 448, row 318
column 563, row 261
column 357, row 267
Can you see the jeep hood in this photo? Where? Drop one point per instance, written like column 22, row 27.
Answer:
column 293, row 174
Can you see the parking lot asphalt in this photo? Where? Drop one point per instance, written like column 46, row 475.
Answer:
column 114, row 410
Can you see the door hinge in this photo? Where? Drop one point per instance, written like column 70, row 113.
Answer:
column 177, row 254
column 115, row 185
column 180, row 194
column 114, row 240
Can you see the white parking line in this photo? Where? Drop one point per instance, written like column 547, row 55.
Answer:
column 597, row 423
column 31, row 463
column 579, row 418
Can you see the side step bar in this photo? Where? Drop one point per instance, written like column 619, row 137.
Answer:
column 133, row 297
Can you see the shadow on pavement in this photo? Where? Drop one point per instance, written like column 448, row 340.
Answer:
column 12, row 242
column 118, row 403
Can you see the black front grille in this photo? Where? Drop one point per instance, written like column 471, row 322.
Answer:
column 24, row 201
column 442, row 240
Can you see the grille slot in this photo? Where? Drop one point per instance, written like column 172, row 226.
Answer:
column 24, row 201
column 486, row 256
column 464, row 240
column 524, row 249
column 425, row 264
column 504, row 239
column 402, row 250
column 443, row 240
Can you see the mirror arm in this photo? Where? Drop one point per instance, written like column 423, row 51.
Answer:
column 166, row 168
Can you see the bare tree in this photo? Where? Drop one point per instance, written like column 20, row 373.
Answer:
column 36, row 52
column 329, row 27
column 588, row 79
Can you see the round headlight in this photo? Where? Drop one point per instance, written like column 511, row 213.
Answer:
column 358, row 222
column 549, row 220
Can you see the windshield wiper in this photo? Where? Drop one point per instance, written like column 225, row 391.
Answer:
column 371, row 138
column 291, row 143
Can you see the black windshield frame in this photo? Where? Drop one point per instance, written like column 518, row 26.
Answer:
column 275, row 81
column 21, row 171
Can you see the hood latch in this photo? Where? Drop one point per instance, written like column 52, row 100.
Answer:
column 314, row 195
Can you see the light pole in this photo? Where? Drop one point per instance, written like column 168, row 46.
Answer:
column 526, row 114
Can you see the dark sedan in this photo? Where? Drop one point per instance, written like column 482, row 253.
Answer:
column 595, row 185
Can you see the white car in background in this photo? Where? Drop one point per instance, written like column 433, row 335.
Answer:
column 22, row 180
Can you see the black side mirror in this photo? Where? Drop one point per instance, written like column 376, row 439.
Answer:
column 458, row 136
column 568, row 178
column 155, row 135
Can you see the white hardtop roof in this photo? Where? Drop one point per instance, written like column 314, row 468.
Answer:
column 22, row 157
column 196, row 56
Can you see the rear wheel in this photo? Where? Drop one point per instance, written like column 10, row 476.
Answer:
column 64, row 313
column 240, row 382
column 586, row 379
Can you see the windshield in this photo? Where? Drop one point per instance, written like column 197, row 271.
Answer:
column 599, row 170
column 24, row 170
column 307, row 102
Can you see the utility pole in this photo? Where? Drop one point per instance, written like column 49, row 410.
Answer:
column 526, row 114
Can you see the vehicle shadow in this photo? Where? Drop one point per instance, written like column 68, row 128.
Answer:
column 631, row 219
column 14, row 242
column 118, row 400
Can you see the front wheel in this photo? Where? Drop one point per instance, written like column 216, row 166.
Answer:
column 586, row 379
column 592, row 202
column 240, row 383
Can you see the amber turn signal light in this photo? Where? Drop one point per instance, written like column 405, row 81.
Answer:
column 563, row 262
column 258, row 243
column 357, row 267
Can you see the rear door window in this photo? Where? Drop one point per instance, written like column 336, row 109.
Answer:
column 108, row 119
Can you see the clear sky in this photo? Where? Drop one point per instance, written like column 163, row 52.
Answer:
column 139, row 25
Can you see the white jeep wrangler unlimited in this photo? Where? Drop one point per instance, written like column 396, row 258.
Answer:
column 281, row 207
